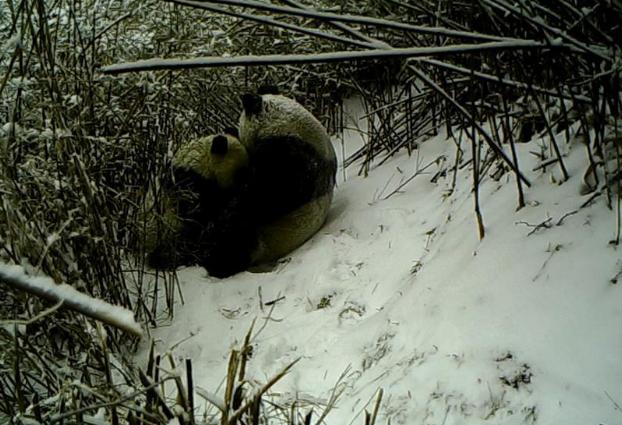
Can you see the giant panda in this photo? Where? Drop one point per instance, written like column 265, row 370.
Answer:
column 292, row 170
column 205, row 214
column 258, row 199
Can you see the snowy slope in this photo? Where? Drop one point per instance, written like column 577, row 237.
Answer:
column 402, row 295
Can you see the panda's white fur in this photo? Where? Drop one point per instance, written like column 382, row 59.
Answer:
column 284, row 235
column 282, row 116
column 197, row 156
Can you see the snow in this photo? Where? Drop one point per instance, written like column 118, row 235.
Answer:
column 45, row 287
column 400, row 294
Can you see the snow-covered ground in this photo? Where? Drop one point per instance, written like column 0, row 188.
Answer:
column 399, row 293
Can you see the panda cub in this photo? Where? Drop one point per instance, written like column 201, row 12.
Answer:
column 292, row 169
column 205, row 207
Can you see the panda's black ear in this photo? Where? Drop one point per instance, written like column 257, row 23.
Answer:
column 251, row 103
column 220, row 145
column 268, row 89
column 232, row 131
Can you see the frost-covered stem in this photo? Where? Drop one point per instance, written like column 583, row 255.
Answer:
column 549, row 130
column 182, row 399
column 329, row 57
column 454, row 176
column 190, row 386
column 508, row 133
column 471, row 120
column 336, row 392
column 475, row 158
column 505, row 81
column 233, row 419
column 274, row 23
column 152, row 386
column 376, row 407
column 617, row 134
column 94, row 308
column 356, row 19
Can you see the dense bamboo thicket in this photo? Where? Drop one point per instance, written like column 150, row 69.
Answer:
column 83, row 140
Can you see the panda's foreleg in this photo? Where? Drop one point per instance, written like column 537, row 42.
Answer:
column 230, row 239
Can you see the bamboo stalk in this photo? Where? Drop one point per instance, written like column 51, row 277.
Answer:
column 472, row 121
column 345, row 28
column 275, row 23
column 356, row 19
column 330, row 57
column 505, row 81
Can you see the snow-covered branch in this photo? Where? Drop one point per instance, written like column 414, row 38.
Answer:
column 340, row 56
column 45, row 287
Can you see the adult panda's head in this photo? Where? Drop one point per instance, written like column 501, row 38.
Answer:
column 268, row 115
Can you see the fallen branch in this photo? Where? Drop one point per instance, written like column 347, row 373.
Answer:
column 44, row 287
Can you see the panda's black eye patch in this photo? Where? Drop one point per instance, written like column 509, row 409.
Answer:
column 220, row 145
column 251, row 104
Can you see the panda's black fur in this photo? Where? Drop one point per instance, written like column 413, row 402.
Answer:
column 286, row 174
column 210, row 226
